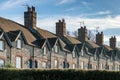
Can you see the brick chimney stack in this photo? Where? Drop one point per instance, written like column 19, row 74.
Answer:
column 82, row 34
column 61, row 27
column 113, row 42
column 99, row 38
column 30, row 17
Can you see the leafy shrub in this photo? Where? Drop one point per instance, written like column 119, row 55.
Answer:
column 57, row 74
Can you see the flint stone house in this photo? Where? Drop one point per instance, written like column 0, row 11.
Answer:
column 27, row 46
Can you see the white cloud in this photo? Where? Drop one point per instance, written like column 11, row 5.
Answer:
column 73, row 22
column 98, row 13
column 65, row 1
column 69, row 9
column 85, row 3
column 11, row 3
column 103, row 12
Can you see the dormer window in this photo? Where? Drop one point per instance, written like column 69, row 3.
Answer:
column 19, row 44
column 1, row 45
column 74, row 54
column 82, row 53
column 44, row 51
column 56, row 48
column 95, row 57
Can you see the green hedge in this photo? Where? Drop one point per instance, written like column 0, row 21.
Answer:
column 70, row 74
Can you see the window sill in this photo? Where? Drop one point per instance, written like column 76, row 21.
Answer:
column 19, row 48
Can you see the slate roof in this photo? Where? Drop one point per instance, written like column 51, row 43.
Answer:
column 8, row 25
column 52, row 41
column 45, row 34
column 106, row 47
column 39, row 42
column 13, row 35
column 91, row 44
column 70, row 42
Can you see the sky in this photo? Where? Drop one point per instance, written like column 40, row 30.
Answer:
column 104, row 14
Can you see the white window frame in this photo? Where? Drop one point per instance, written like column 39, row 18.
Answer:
column 55, row 63
column 1, row 45
column 18, row 62
column 19, row 43
column 44, row 65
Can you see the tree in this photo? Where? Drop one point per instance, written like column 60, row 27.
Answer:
column 75, row 33
column 68, row 32
column 91, row 35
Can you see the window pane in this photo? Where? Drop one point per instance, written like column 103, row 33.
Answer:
column 29, row 64
column 35, row 64
column 1, row 45
column 74, row 66
column 74, row 55
column 43, row 64
column 18, row 43
column 82, row 53
column 18, row 62
column 56, row 64
column 64, row 64
column 56, row 48
column 44, row 50
column 101, row 66
column 1, row 63
column 82, row 65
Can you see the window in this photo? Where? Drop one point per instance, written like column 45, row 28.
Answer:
column 19, row 44
column 56, row 48
column 95, row 57
column 29, row 64
column 74, row 54
column 82, row 65
column 101, row 66
column 55, row 64
column 95, row 67
column 68, row 65
column 89, row 66
column 82, row 53
column 44, row 65
column 64, row 64
column 18, row 62
column 35, row 64
column 74, row 66
column 1, row 45
column 44, row 51
column 116, row 67
column 1, row 63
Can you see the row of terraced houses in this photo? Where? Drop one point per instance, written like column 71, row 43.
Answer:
column 27, row 46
